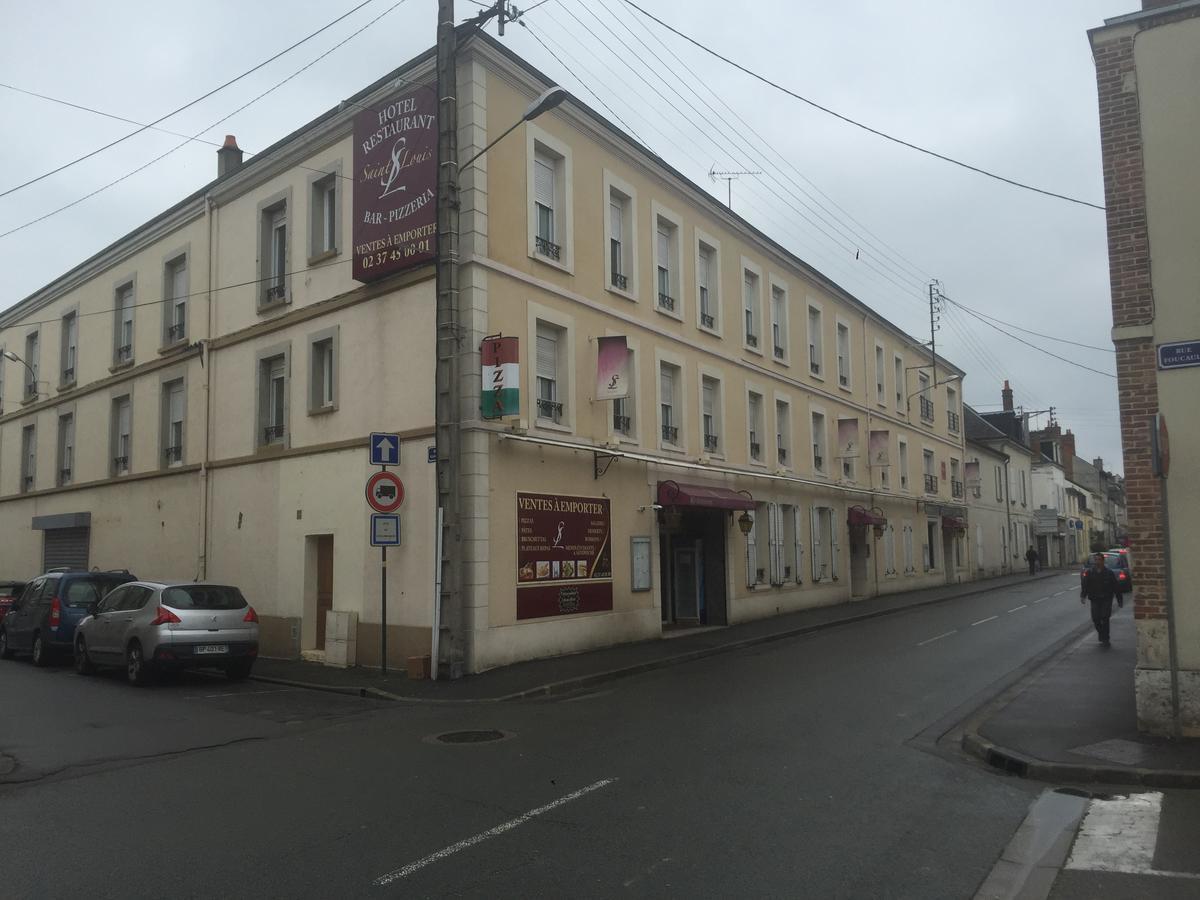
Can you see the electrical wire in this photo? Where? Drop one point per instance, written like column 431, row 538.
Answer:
column 856, row 123
column 162, row 156
column 190, row 103
column 1042, row 350
column 1048, row 337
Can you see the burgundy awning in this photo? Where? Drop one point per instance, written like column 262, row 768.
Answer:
column 856, row 515
column 956, row 523
column 674, row 493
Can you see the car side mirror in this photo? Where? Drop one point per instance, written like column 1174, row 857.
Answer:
column 93, row 607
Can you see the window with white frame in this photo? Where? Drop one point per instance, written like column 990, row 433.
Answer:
column 175, row 291
column 824, row 545
column 843, row 355
column 324, row 226
column 818, row 442
column 323, row 371
column 551, row 372
column 927, row 469
column 66, row 448
column 32, row 365
column 123, row 333
column 1000, row 485
column 750, row 283
column 815, row 349
column 669, row 386
column 28, row 458
column 787, row 568
column 70, row 349
column 779, row 322
column 889, row 550
column 783, row 433
column 754, row 420
column 1023, row 497
column 548, row 230
column 902, row 464
column 172, row 418
column 910, row 556
column 710, row 413
column 923, row 396
column 849, row 467
column 956, row 485
column 666, row 270
column 900, row 384
column 274, row 251
column 708, row 280
column 624, row 409
column 620, row 239
column 122, row 435
column 880, row 377
column 273, row 400
column 952, row 415
column 756, row 573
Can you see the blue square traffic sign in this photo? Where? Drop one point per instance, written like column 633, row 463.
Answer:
column 385, row 530
column 385, row 449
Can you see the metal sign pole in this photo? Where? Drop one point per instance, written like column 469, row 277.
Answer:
column 383, row 607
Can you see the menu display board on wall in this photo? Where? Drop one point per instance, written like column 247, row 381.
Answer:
column 564, row 555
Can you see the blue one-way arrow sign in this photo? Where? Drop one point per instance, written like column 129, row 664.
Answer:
column 385, row 449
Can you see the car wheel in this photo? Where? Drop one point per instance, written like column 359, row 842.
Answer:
column 40, row 654
column 135, row 665
column 240, row 670
column 5, row 650
column 83, row 665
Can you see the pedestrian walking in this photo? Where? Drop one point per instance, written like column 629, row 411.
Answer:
column 1031, row 557
column 1100, row 586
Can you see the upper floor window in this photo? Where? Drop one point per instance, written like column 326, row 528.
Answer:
column 274, row 251
column 843, row 355
column 900, row 381
column 1000, row 486
column 123, row 334
column 322, row 371
column 32, row 367
column 754, row 417
column 750, row 307
column 707, row 281
column 927, row 469
column 70, row 348
column 783, row 433
column 815, row 351
column 779, row 322
column 819, row 442
column 272, row 400
column 551, row 370
column 880, row 385
column 669, row 377
column 66, row 448
column 710, row 413
column 175, row 284
column 952, row 416
column 956, row 485
column 625, row 408
column 325, row 221
column 173, row 422
column 666, row 242
column 548, row 178
column 122, row 435
column 926, row 401
column 620, row 239
column 1023, row 498
column 902, row 465
column 28, row 457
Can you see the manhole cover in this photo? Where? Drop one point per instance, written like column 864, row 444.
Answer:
column 482, row 736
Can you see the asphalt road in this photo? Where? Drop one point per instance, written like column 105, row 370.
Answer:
column 804, row 767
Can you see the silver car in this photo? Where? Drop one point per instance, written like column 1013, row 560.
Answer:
column 148, row 626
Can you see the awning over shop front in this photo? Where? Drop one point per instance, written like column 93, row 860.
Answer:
column 856, row 515
column 954, row 523
column 675, row 493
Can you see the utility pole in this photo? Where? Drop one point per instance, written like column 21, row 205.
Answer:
column 935, row 296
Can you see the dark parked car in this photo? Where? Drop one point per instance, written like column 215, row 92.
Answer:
column 9, row 591
column 42, row 622
column 1118, row 562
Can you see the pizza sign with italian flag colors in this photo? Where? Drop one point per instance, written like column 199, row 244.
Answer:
column 501, row 393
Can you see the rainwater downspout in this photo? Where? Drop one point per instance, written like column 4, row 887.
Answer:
column 206, row 364
column 1012, row 553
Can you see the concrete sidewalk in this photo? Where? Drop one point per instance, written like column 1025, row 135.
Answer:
column 1075, row 720
column 581, row 670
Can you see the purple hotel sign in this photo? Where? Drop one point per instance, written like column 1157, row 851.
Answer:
column 395, row 185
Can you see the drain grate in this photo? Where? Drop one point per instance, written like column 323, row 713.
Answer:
column 471, row 737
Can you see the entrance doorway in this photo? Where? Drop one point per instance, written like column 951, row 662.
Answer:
column 949, row 556
column 692, row 560
column 318, row 589
column 860, row 556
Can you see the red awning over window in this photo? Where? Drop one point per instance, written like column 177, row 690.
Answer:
column 955, row 523
column 674, row 493
column 856, row 515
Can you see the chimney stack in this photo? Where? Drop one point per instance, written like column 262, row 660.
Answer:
column 1098, row 462
column 1068, row 454
column 1006, row 397
column 229, row 157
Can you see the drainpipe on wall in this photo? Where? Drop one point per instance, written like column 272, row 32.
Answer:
column 206, row 363
column 1008, row 516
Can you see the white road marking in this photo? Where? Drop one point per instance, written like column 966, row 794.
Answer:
column 938, row 638
column 1015, row 608
column 1059, row 593
column 1040, row 599
column 490, row 833
column 981, row 621
column 1120, row 835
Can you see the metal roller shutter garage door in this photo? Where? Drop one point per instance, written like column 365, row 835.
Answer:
column 65, row 547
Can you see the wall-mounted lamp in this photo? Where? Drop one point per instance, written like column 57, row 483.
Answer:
column 745, row 522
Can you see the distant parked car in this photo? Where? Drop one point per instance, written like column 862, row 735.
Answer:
column 41, row 622
column 149, row 626
column 1118, row 562
column 9, row 591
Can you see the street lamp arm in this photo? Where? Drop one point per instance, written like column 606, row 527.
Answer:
column 8, row 354
column 546, row 100
column 949, row 380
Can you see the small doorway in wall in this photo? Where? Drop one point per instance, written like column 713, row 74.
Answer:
column 692, row 559
column 949, row 560
column 860, row 556
column 318, row 591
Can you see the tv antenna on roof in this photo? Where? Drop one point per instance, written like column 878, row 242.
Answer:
column 729, row 178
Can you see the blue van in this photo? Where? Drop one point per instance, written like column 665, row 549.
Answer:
column 42, row 621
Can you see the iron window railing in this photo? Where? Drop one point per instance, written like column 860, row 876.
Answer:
column 751, row 339
column 670, row 434
column 755, row 449
column 120, row 463
column 173, row 454
column 549, row 409
column 956, row 488
column 622, row 424
column 175, row 332
column 27, row 483
column 779, row 351
column 272, row 433
column 64, row 475
column 620, row 281
column 276, row 292
column 783, row 454
column 666, row 301
column 931, row 484
column 125, row 353
column 707, row 321
column 68, row 376
column 711, row 442
column 547, row 248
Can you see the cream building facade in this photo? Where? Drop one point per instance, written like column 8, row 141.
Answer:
column 1000, row 499
column 763, row 398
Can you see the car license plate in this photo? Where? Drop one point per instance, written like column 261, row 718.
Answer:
column 211, row 649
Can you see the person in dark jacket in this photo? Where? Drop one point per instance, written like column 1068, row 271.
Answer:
column 1100, row 586
column 1031, row 557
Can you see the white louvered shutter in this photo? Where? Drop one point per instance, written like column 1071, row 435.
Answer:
column 751, row 550
column 543, row 182
column 547, row 354
column 815, row 522
column 834, row 528
column 776, row 562
column 798, row 548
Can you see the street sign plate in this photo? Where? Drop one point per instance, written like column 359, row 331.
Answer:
column 385, row 530
column 1179, row 355
column 385, row 449
column 385, row 492
column 431, row 454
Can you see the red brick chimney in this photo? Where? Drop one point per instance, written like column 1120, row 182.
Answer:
column 1006, row 397
column 1068, row 454
column 229, row 157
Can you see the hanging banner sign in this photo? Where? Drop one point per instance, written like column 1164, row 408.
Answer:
column 614, row 368
column 395, row 185
column 847, row 438
column 879, row 448
column 500, row 393
column 564, row 555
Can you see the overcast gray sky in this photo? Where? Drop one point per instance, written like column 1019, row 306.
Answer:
column 1005, row 86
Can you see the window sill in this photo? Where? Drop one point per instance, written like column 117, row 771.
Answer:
column 551, row 425
column 29, row 401
column 672, row 448
column 629, row 440
column 274, row 305
column 120, row 367
column 816, row 376
column 270, row 449
column 848, row 388
column 669, row 313
column 782, row 361
column 322, row 256
column 706, row 330
column 624, row 295
column 66, row 386
column 553, row 263
column 323, row 410
column 173, row 346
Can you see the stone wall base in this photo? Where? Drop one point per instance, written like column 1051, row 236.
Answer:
column 1153, row 690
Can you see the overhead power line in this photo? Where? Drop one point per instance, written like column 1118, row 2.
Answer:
column 857, row 124
column 1020, row 328
column 1021, row 340
column 190, row 103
